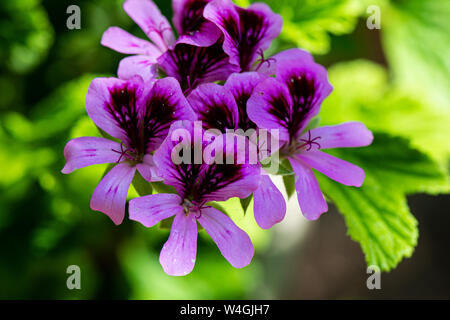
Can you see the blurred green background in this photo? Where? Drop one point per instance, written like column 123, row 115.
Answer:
column 396, row 80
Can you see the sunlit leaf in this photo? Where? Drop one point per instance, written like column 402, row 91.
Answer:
column 415, row 35
column 308, row 23
column 377, row 215
column 362, row 92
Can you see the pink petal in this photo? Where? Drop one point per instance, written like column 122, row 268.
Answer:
column 147, row 16
column 110, row 196
column 215, row 107
column 237, row 180
column 234, row 244
column 148, row 169
column 121, row 41
column 178, row 254
column 206, row 36
column 239, row 27
column 143, row 66
column 87, row 151
column 99, row 105
column 269, row 204
column 270, row 106
column 345, row 135
column 310, row 198
column 151, row 209
column 334, row 168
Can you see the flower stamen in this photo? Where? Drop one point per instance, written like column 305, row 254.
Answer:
column 124, row 153
column 309, row 142
column 263, row 60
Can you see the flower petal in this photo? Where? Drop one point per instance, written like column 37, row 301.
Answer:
column 334, row 168
column 229, row 172
column 110, row 196
column 174, row 173
column 241, row 86
column 345, row 135
column 148, row 169
column 269, row 204
column 147, row 16
column 179, row 252
column 310, row 198
column 234, row 244
column 247, row 31
column 87, row 151
column 121, row 41
column 143, row 66
column 163, row 103
column 308, row 86
column 270, row 107
column 111, row 104
column 215, row 107
column 151, row 209
column 193, row 65
column 205, row 36
column 191, row 25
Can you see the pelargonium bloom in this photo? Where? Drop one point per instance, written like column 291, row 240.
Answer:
column 139, row 115
column 224, row 108
column 188, row 19
column 248, row 32
column 196, row 185
column 288, row 102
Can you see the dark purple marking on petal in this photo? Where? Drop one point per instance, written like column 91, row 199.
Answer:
column 123, row 108
column 192, row 65
column 216, row 177
column 281, row 110
column 253, row 28
column 247, row 31
column 217, row 117
column 215, row 106
column 192, row 16
column 241, row 86
column 244, row 121
column 303, row 92
column 159, row 115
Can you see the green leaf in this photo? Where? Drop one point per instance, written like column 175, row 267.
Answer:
column 377, row 215
column 142, row 186
column 362, row 92
column 377, row 218
column 289, row 179
column 273, row 165
column 246, row 202
column 415, row 35
column 308, row 23
column 160, row 187
column 289, row 184
column 392, row 162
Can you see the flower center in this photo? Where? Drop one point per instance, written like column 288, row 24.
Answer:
column 190, row 207
column 300, row 145
column 129, row 154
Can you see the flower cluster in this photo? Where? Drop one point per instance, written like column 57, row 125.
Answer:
column 215, row 73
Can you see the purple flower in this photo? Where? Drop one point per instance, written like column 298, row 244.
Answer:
column 288, row 102
column 139, row 115
column 248, row 32
column 188, row 19
column 196, row 185
column 225, row 108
